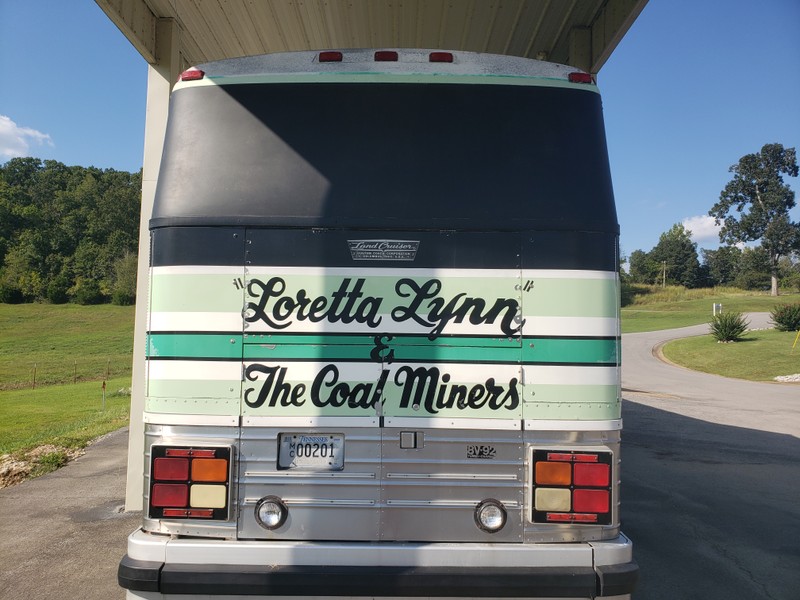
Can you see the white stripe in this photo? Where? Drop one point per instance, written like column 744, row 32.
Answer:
column 387, row 272
column 394, row 273
column 567, row 274
column 610, row 425
column 196, row 321
column 311, row 421
column 382, row 272
column 371, row 422
column 570, row 326
column 206, row 370
column 199, row 270
column 172, row 419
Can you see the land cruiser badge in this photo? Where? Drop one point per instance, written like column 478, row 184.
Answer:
column 398, row 250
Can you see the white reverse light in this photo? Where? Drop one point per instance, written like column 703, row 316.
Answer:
column 271, row 512
column 490, row 515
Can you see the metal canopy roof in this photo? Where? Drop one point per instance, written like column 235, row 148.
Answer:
column 581, row 33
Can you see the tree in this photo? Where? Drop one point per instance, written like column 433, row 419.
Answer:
column 62, row 229
column 754, row 269
column 641, row 268
column 755, row 205
column 723, row 264
column 676, row 254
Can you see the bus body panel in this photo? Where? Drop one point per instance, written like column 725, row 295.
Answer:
column 383, row 354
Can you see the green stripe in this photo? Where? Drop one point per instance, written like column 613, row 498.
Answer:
column 194, row 345
column 547, row 350
column 361, row 348
column 196, row 292
column 571, row 297
column 221, row 293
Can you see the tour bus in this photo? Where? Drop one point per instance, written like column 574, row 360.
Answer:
column 383, row 348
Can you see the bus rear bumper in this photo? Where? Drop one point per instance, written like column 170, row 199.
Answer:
column 158, row 567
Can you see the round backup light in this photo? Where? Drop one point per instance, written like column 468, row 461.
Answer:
column 490, row 515
column 271, row 512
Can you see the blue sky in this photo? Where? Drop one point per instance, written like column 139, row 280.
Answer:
column 693, row 86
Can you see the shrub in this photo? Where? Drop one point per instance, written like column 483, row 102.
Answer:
column 89, row 292
column 58, row 290
column 728, row 327
column 10, row 294
column 123, row 298
column 786, row 317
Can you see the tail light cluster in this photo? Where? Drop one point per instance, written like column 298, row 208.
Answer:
column 571, row 487
column 190, row 483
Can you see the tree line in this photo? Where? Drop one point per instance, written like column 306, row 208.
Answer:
column 753, row 207
column 71, row 233
column 68, row 234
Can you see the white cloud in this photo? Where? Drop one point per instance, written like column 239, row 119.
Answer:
column 17, row 141
column 703, row 228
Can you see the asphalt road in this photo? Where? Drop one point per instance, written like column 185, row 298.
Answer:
column 62, row 535
column 711, row 479
column 711, row 494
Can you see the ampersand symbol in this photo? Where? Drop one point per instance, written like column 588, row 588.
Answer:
column 377, row 353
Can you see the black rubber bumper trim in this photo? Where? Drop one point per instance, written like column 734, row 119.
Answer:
column 139, row 575
column 616, row 580
column 516, row 582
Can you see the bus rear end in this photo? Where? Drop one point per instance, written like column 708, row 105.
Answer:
column 383, row 338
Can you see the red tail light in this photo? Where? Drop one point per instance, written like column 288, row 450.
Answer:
column 571, row 487
column 190, row 483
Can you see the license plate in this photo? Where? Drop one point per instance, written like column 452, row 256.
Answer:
column 311, row 451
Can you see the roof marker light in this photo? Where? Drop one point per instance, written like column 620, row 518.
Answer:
column 579, row 77
column 386, row 56
column 440, row 57
column 193, row 74
column 330, row 56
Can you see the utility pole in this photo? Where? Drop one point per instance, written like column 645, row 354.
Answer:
column 664, row 274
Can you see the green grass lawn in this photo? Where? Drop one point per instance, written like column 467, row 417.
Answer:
column 760, row 356
column 63, row 343
column 68, row 416
column 71, row 350
column 676, row 308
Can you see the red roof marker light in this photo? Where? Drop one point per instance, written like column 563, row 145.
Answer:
column 330, row 56
column 386, row 56
column 440, row 57
column 578, row 77
column 192, row 74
